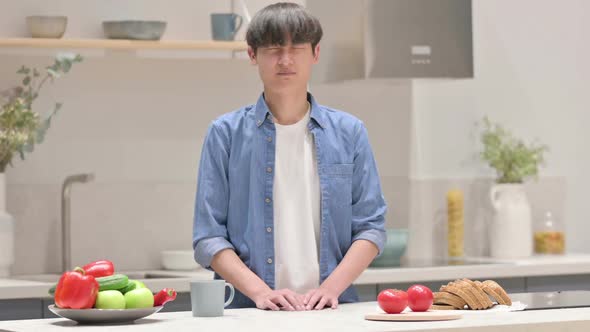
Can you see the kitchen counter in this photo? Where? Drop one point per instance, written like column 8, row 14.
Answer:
column 571, row 264
column 348, row 317
column 546, row 265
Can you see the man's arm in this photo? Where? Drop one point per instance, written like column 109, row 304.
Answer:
column 356, row 260
column 231, row 268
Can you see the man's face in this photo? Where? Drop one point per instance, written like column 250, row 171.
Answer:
column 285, row 67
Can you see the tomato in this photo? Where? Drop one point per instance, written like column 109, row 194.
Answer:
column 419, row 298
column 392, row 301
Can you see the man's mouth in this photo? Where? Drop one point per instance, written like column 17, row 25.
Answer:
column 286, row 73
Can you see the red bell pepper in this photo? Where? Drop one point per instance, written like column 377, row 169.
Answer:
column 163, row 296
column 100, row 268
column 76, row 290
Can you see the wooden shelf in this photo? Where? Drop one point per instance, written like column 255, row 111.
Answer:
column 120, row 44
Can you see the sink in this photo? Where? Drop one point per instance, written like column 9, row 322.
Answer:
column 132, row 275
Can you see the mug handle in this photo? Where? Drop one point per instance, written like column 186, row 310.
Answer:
column 232, row 292
column 239, row 22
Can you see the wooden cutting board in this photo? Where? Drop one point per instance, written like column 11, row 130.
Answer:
column 414, row 316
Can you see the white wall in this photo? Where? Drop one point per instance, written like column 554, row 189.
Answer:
column 138, row 124
column 532, row 70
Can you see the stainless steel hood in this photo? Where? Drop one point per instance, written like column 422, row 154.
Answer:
column 394, row 39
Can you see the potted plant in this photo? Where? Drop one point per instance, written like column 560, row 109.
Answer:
column 514, row 162
column 21, row 127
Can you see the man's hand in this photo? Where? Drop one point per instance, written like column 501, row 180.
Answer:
column 283, row 299
column 319, row 298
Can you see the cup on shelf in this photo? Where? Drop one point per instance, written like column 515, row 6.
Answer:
column 225, row 25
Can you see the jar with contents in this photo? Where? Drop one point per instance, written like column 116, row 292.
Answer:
column 549, row 236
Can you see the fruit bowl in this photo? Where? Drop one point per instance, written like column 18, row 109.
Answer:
column 103, row 316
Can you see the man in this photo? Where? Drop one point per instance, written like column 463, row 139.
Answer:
column 289, row 207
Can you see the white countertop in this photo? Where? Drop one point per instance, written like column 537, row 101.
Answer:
column 546, row 265
column 348, row 317
column 534, row 266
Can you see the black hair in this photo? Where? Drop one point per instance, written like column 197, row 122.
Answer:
column 277, row 23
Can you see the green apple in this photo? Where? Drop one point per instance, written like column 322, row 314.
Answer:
column 110, row 299
column 138, row 284
column 139, row 298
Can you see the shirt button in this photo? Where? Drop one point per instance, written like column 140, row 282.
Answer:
column 267, row 200
column 269, row 139
column 269, row 170
column 269, row 261
column 268, row 229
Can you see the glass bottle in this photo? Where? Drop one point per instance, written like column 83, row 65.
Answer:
column 549, row 236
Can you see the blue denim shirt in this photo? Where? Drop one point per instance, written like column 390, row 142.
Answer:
column 236, row 178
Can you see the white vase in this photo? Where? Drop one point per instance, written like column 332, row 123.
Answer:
column 6, row 232
column 511, row 233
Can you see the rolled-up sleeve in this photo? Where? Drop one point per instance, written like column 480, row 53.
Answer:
column 368, row 204
column 211, row 204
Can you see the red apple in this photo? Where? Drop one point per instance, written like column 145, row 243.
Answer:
column 392, row 301
column 419, row 298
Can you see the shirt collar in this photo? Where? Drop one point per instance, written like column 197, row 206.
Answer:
column 316, row 112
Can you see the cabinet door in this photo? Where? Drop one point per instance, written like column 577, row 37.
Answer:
column 511, row 285
column 558, row 283
column 46, row 312
column 182, row 303
column 20, row 309
column 367, row 293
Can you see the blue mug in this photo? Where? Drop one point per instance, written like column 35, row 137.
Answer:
column 225, row 26
column 394, row 249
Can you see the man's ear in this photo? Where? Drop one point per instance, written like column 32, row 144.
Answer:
column 316, row 54
column 252, row 56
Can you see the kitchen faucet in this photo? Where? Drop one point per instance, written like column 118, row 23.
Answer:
column 66, row 252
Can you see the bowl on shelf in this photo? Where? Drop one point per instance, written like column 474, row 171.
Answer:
column 42, row 26
column 394, row 249
column 136, row 30
column 183, row 260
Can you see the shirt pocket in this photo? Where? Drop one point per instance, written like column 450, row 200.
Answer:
column 339, row 189
column 339, row 170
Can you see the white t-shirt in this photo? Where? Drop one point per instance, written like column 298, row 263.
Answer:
column 296, row 197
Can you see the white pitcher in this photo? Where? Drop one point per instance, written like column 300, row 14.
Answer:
column 511, row 233
column 6, row 233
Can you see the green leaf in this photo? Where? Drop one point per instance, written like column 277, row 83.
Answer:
column 53, row 73
column 512, row 159
column 57, row 108
column 66, row 66
column 20, row 126
column 23, row 70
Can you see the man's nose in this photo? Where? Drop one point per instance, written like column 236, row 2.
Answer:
column 285, row 58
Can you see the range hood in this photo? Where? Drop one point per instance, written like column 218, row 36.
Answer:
column 394, row 39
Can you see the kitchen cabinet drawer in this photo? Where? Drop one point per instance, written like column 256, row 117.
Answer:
column 182, row 303
column 46, row 312
column 20, row 309
column 558, row 283
column 367, row 293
